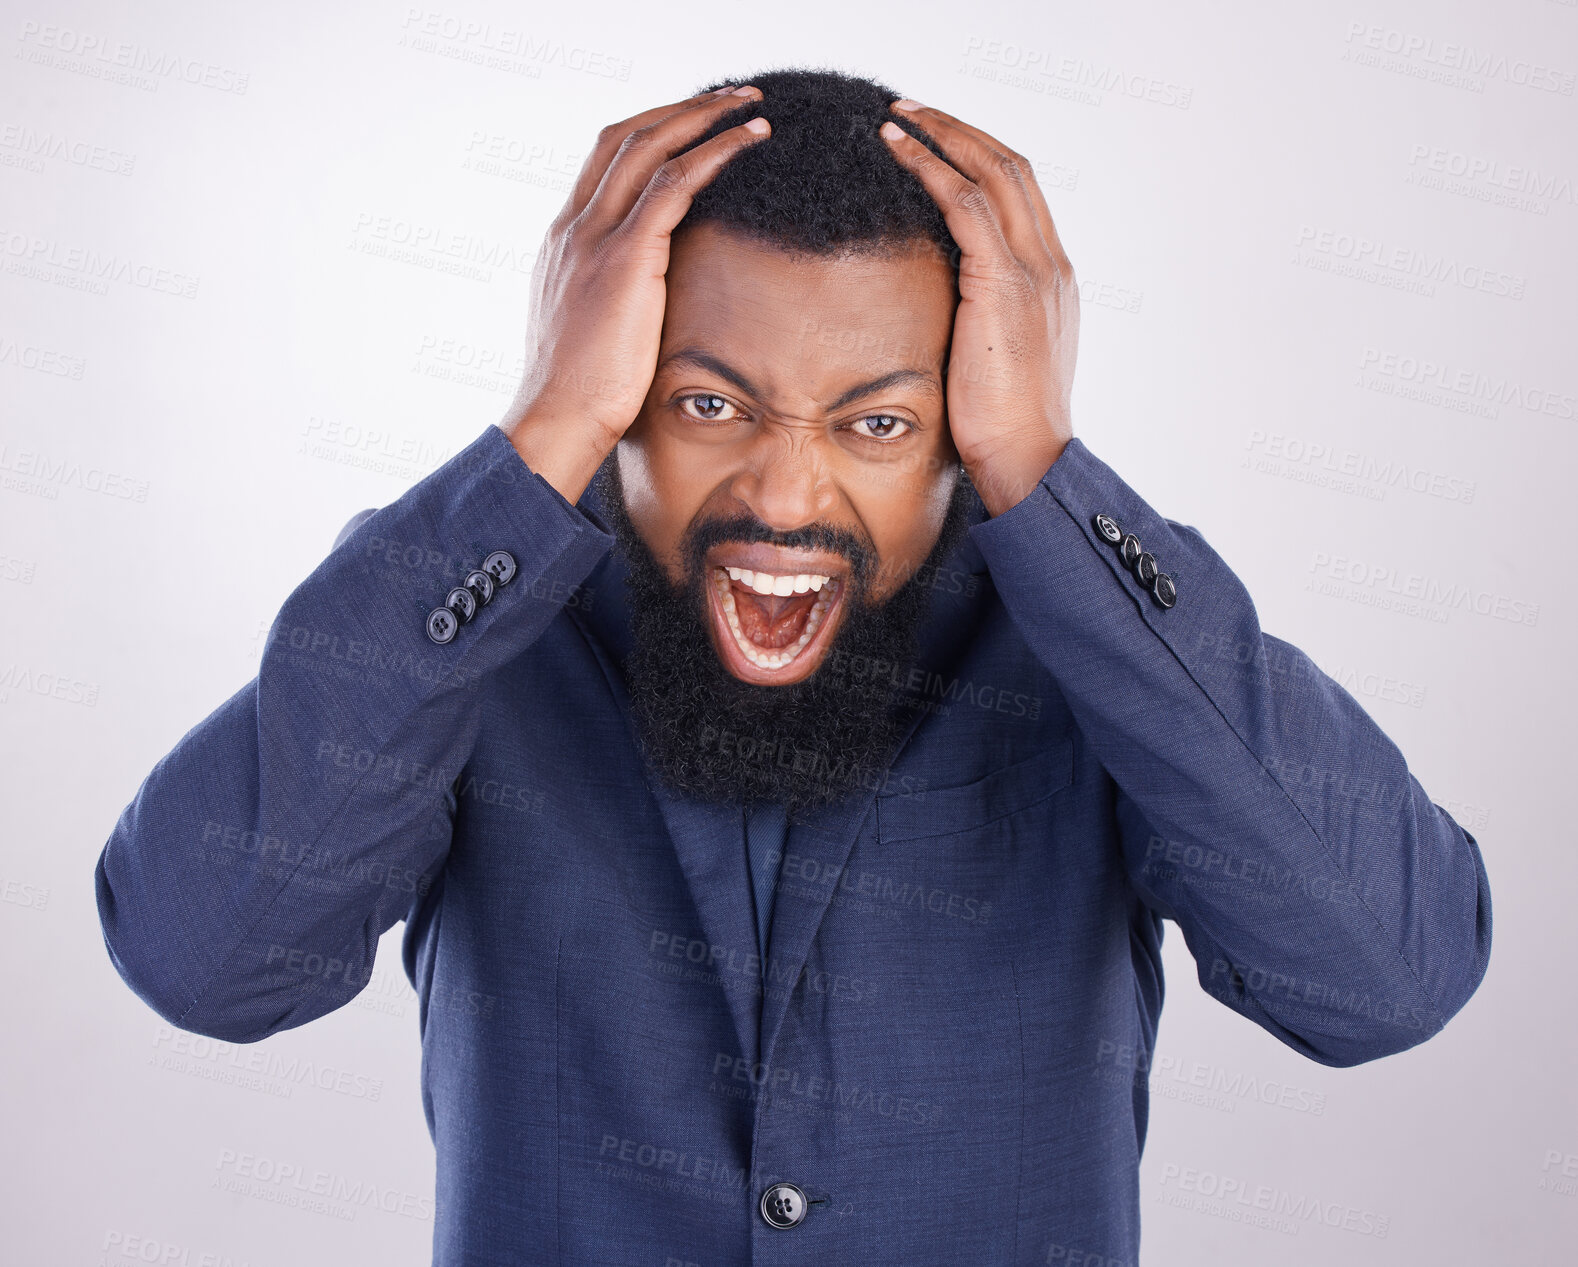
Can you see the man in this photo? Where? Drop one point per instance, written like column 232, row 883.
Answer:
column 784, row 740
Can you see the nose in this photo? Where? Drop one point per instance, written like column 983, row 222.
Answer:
column 785, row 480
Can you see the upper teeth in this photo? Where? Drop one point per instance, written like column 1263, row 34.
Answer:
column 770, row 583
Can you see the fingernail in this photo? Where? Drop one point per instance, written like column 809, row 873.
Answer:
column 718, row 92
column 891, row 130
column 904, row 103
column 744, row 92
column 758, row 124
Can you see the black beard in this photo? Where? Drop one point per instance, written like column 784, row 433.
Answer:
column 715, row 738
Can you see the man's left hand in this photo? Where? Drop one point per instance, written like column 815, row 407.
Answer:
column 1016, row 329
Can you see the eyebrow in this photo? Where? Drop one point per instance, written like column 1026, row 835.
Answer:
column 893, row 378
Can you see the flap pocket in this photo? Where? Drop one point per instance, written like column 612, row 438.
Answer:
column 939, row 811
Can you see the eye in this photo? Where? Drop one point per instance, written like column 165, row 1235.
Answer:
column 880, row 427
column 704, row 407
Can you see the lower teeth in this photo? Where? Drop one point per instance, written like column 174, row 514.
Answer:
column 772, row 659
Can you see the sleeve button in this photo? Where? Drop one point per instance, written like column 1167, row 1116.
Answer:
column 1164, row 591
column 442, row 625
column 480, row 583
column 500, row 565
column 463, row 603
column 1146, row 570
column 1130, row 550
column 1107, row 528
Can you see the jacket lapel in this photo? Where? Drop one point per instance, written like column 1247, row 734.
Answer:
column 709, row 841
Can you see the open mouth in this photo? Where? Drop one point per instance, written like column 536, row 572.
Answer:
column 773, row 626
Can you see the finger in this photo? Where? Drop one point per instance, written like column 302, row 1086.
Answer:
column 1032, row 190
column 613, row 136
column 1004, row 173
column 642, row 150
column 668, row 194
column 964, row 205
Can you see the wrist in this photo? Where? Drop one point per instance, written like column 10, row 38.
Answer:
column 564, row 452
column 1008, row 478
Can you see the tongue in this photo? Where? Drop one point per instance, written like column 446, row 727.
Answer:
column 772, row 620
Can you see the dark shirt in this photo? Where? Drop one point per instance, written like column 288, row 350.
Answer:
column 766, row 830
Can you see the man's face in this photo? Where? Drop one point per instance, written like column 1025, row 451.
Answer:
column 797, row 414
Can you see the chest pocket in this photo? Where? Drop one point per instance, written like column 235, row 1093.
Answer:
column 940, row 811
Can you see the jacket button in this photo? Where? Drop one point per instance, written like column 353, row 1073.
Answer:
column 442, row 625
column 480, row 583
column 783, row 1205
column 463, row 603
column 1108, row 529
column 500, row 565
column 1164, row 591
column 1131, row 549
column 1145, row 568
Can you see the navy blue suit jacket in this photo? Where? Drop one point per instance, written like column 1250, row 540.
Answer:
column 946, row 1048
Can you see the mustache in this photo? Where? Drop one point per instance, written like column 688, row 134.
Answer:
column 747, row 529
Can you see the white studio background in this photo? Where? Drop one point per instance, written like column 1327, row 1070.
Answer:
column 1328, row 259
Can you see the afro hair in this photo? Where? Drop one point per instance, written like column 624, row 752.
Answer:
column 823, row 183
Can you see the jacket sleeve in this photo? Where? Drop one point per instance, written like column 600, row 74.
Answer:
column 1321, row 892
column 243, row 891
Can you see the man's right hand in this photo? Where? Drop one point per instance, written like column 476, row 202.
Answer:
column 600, row 284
